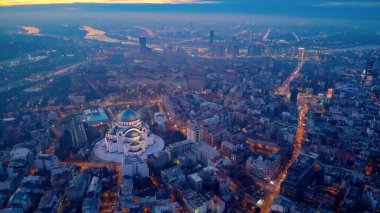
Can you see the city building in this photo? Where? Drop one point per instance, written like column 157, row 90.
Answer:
column 235, row 51
column 217, row 205
column 193, row 132
column 50, row 202
column 174, row 173
column 61, row 175
column 263, row 167
column 196, row 182
column 46, row 162
column 21, row 160
column 368, row 71
column 298, row 177
column 142, row 43
column 133, row 165
column 159, row 159
column 129, row 135
column 195, row 202
column 178, row 148
column 159, row 118
column 294, row 95
column 77, row 188
column 256, row 49
column 22, row 198
column 91, row 203
column 211, row 38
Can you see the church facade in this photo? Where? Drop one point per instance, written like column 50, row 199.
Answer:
column 129, row 135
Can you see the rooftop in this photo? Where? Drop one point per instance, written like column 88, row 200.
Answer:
column 95, row 115
column 128, row 116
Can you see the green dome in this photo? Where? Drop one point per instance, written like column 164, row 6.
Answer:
column 128, row 116
column 134, row 144
column 131, row 151
column 132, row 134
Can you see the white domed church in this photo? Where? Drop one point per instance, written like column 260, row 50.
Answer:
column 129, row 135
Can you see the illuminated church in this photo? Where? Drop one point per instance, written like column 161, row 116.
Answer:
column 129, row 135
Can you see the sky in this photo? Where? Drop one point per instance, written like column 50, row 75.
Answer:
column 348, row 10
column 34, row 2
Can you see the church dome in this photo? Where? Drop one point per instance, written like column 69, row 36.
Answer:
column 132, row 134
column 135, row 144
column 128, row 115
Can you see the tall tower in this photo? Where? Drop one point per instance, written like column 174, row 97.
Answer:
column 211, row 39
column 368, row 72
column 294, row 95
column 301, row 53
column 235, row 50
column 142, row 43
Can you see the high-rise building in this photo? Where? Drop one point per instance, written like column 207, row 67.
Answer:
column 368, row 72
column 256, row 49
column 220, row 51
column 301, row 52
column 211, row 39
column 193, row 132
column 294, row 95
column 142, row 43
column 235, row 51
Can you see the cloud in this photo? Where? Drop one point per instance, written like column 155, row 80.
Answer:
column 349, row 4
column 34, row 2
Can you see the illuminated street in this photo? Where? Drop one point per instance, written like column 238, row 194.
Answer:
column 299, row 137
column 284, row 89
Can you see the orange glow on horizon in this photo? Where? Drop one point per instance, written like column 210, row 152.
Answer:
column 37, row 2
column 31, row 30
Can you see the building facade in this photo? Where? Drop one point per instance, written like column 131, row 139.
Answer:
column 129, row 135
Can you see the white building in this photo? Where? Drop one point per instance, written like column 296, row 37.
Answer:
column 217, row 205
column 129, row 135
column 46, row 162
column 263, row 168
column 193, row 132
column 206, row 152
column 133, row 165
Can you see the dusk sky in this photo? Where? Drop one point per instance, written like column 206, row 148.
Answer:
column 344, row 10
column 29, row 2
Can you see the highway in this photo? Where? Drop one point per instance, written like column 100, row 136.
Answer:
column 284, row 89
column 31, row 80
column 266, row 35
column 295, row 36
